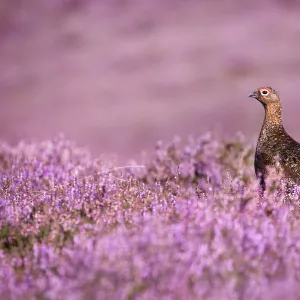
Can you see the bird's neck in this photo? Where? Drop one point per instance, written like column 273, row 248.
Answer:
column 273, row 115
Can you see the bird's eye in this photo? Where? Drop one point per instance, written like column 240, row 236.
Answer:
column 264, row 92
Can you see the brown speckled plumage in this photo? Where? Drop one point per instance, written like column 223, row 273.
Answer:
column 274, row 141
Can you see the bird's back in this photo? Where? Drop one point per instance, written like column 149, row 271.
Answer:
column 276, row 144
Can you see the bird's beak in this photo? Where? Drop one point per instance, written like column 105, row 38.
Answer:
column 253, row 95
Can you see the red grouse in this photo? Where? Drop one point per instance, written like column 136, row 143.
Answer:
column 274, row 141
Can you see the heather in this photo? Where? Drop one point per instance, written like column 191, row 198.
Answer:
column 186, row 223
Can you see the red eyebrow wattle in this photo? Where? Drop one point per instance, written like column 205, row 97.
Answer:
column 262, row 89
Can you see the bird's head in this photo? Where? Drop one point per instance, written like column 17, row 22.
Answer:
column 265, row 95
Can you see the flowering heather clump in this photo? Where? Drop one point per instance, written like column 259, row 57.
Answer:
column 187, row 225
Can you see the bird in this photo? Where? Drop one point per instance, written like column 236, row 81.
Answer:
column 274, row 143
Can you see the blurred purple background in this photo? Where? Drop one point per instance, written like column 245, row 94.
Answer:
column 116, row 76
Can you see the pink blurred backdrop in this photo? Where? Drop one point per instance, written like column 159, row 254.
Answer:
column 116, row 76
